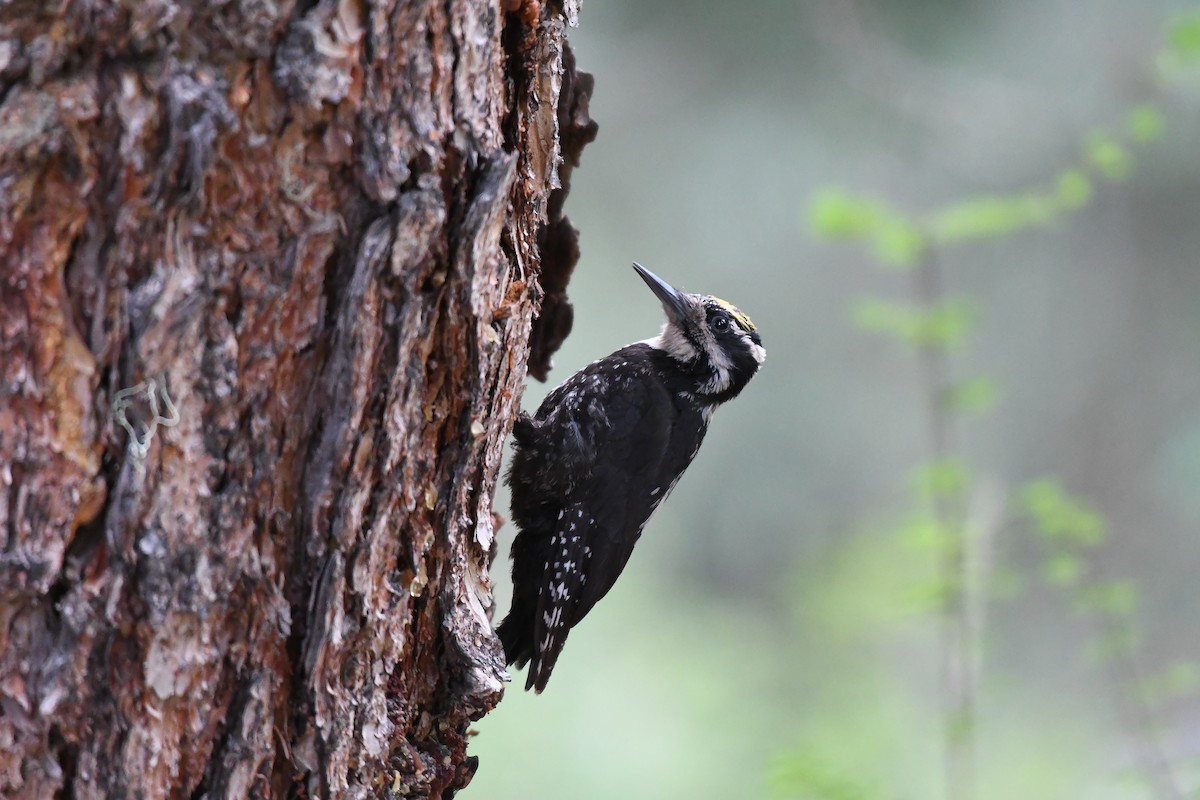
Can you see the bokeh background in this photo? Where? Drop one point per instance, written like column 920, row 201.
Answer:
column 773, row 634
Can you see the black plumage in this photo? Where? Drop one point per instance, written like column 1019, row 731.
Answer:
column 602, row 452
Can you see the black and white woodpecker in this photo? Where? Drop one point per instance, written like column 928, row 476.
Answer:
column 601, row 454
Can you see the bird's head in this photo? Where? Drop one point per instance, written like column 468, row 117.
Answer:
column 712, row 338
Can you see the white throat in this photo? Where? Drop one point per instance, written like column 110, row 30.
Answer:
column 672, row 341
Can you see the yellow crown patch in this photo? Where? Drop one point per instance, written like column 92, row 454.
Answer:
column 737, row 313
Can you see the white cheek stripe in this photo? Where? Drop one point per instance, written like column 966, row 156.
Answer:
column 672, row 341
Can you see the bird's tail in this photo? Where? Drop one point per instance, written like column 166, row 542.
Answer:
column 519, row 628
column 516, row 633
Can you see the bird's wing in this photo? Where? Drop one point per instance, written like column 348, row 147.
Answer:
column 564, row 577
column 599, row 525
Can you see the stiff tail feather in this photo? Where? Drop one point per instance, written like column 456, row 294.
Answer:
column 516, row 634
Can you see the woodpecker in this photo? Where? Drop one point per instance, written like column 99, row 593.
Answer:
column 601, row 454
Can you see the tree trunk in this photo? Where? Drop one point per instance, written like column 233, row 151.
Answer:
column 268, row 279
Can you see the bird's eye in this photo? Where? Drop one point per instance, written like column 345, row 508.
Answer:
column 721, row 324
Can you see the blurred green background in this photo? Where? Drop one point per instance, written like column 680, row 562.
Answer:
column 773, row 635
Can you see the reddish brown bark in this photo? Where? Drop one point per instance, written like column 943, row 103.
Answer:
column 318, row 232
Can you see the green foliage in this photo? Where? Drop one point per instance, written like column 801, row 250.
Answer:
column 1063, row 569
column 834, row 214
column 1074, row 189
column 944, row 478
column 803, row 775
column 972, row 396
column 1115, row 643
column 1108, row 598
column 901, row 241
column 896, row 241
column 866, row 588
column 934, row 529
column 1178, row 679
column 924, row 531
column 992, row 216
column 1145, row 123
column 1181, row 52
column 943, row 326
column 1107, row 156
column 1070, row 529
column 1060, row 517
column 1183, row 36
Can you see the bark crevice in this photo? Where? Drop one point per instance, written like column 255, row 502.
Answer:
column 324, row 229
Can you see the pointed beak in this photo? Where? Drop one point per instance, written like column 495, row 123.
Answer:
column 672, row 300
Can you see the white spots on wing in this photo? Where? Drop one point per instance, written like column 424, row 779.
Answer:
column 654, row 505
column 561, row 511
column 655, row 490
column 570, row 565
column 553, row 620
column 587, row 551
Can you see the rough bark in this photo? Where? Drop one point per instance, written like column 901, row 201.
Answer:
column 269, row 274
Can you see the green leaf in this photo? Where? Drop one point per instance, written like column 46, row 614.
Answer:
column 947, row 325
column 1183, row 37
column 1107, row 155
column 944, row 478
column 1145, row 123
column 1178, row 679
column 1109, row 598
column 927, row 533
column 1059, row 517
column 973, row 396
column 935, row 595
column 978, row 218
column 896, row 241
column 802, row 774
column 834, row 214
column 1120, row 642
column 899, row 243
column 944, row 326
column 876, row 315
column 1063, row 569
column 989, row 217
column 1074, row 189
